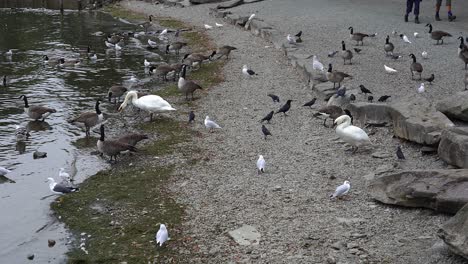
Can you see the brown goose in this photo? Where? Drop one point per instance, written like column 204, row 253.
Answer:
column 164, row 69
column 36, row 112
column 90, row 119
column 463, row 52
column 345, row 54
column 437, row 35
column 358, row 37
column 415, row 67
column 388, row 47
column 112, row 148
column 336, row 76
column 186, row 86
column 329, row 111
column 132, row 139
column 116, row 92
column 198, row 58
column 176, row 46
column 225, row 51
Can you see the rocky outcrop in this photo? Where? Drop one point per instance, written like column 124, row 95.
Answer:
column 455, row 106
column 246, row 235
column 453, row 147
column 441, row 190
column 455, row 233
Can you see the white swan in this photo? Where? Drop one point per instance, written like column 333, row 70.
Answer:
column 151, row 103
column 350, row 134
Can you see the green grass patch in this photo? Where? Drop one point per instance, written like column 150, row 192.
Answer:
column 169, row 90
column 198, row 41
column 170, row 23
column 118, row 11
column 210, row 74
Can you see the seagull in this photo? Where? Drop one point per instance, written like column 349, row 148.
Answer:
column 162, row 235
column 400, row 154
column 405, row 38
column 133, row 79
column 152, row 44
column 191, row 117
column 364, row 90
column 109, row 45
column 210, row 124
column 146, row 63
column 164, row 32
column 290, row 39
column 416, row 34
column 268, row 117
column 248, row 72
column 266, row 132
column 9, row 53
column 316, row 64
column 21, row 133
column 341, row 190
column 275, row 98
column 310, row 103
column 260, row 164
column 332, row 54
column 424, row 54
column 208, row 27
column 118, row 47
column 389, row 70
column 64, row 176
column 218, row 25
column 94, row 57
column 58, row 188
column 251, row 17
column 4, row 171
column 421, row 88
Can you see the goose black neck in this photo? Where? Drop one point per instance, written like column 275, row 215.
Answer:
column 167, row 48
column 414, row 58
column 386, row 40
column 430, row 28
column 351, row 30
column 343, row 46
column 102, row 133
column 184, row 69
column 4, row 80
column 329, row 68
column 98, row 111
column 89, row 49
column 25, row 99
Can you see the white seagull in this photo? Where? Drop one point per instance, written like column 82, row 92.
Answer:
column 260, row 164
column 405, row 38
column 164, row 32
column 152, row 44
column 4, row 171
column 248, row 72
column 291, row 39
column 117, row 47
column 341, row 190
column 316, row 64
column 109, row 45
column 424, row 55
column 9, row 53
column 416, row 34
column 147, row 63
column 210, row 124
column 389, row 70
column 60, row 188
column 162, row 235
column 94, row 57
column 208, row 27
column 421, row 88
column 64, row 176
column 251, row 17
column 133, row 79
column 218, row 25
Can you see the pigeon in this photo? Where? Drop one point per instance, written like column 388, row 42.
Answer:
column 207, row 27
column 383, row 98
column 218, row 25
column 251, row 17
column 162, row 235
column 357, row 50
column 364, row 90
column 395, row 57
column 274, row 97
column 416, row 34
column 332, row 54
column 405, row 38
column 210, row 124
column 316, row 64
column 352, row 97
column 421, row 88
column 58, row 188
column 341, row 92
column 248, row 72
column 21, row 133
column 389, row 70
column 285, row 108
column 430, row 79
column 191, row 117
column 399, row 153
column 370, row 98
column 268, row 117
column 310, row 103
column 290, row 39
column 424, row 55
column 341, row 190
column 4, row 171
column 260, row 164
column 266, row 132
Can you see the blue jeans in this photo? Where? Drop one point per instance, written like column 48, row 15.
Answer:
column 409, row 6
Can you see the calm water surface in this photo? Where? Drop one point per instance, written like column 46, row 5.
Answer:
column 26, row 222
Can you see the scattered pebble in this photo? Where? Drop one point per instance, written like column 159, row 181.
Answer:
column 30, row 256
column 51, row 242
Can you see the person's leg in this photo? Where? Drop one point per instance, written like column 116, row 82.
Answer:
column 416, row 11
column 438, row 4
column 409, row 8
column 451, row 17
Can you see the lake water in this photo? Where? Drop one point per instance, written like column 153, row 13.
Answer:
column 26, row 222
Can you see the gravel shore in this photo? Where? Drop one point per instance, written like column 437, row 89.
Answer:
column 289, row 205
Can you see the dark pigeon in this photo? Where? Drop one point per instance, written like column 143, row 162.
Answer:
column 310, row 103
column 191, row 117
column 364, row 90
column 266, row 132
column 274, row 97
column 400, row 154
column 268, row 117
column 383, row 98
column 285, row 108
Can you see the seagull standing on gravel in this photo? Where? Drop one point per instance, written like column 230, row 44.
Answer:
column 424, row 55
column 118, row 47
column 260, row 164
column 421, row 88
column 248, row 72
column 152, row 44
column 164, row 32
column 389, row 70
column 210, row 124
column 405, row 38
column 58, row 188
column 251, row 17
column 316, row 64
column 218, row 25
column 4, row 171
column 341, row 190
column 162, row 235
column 416, row 34
column 207, row 27
column 290, row 39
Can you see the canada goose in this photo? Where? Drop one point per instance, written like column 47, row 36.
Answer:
column 462, row 45
column 176, row 46
column 463, row 54
column 4, row 81
column 63, row 63
column 225, row 51
column 192, row 58
column 437, row 35
column 113, row 39
column 112, row 148
column 329, row 111
column 151, row 103
column 116, row 92
column 90, row 119
column 132, row 139
column 415, row 67
column 350, row 134
column 358, row 37
column 388, row 47
column 345, row 54
column 186, row 86
column 336, row 76
column 146, row 25
column 36, row 112
column 45, row 59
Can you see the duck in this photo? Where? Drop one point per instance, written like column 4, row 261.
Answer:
column 350, row 134
column 198, row 58
column 132, row 138
column 90, row 119
column 151, row 103
column 187, row 86
column 116, row 92
column 345, row 54
column 225, row 51
column 438, row 34
column 358, row 37
column 36, row 112
column 336, row 76
column 329, row 111
column 176, row 46
column 388, row 47
column 112, row 148
column 415, row 67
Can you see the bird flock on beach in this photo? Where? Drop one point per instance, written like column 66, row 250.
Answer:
column 342, row 118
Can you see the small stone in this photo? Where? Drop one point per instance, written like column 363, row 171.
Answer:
column 51, row 242
column 30, row 256
column 352, row 245
column 337, row 245
column 354, row 251
column 277, row 188
column 39, row 155
column 358, row 235
column 363, row 256
column 331, row 260
column 428, row 150
column 246, row 235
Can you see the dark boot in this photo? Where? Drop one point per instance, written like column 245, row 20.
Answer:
column 437, row 17
column 416, row 20
column 406, row 18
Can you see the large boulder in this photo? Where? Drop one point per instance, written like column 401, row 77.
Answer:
column 455, row 106
column 455, row 232
column 441, row 190
column 453, row 147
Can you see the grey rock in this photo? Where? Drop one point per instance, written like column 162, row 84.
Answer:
column 358, row 235
column 352, row 245
column 39, row 155
column 383, row 169
column 51, row 243
column 349, row 221
column 380, row 155
column 331, row 260
column 429, row 150
column 455, row 106
column 246, row 235
column 453, row 147
column 441, row 190
column 455, row 233
column 30, row 256
column 353, row 251
column 337, row 245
